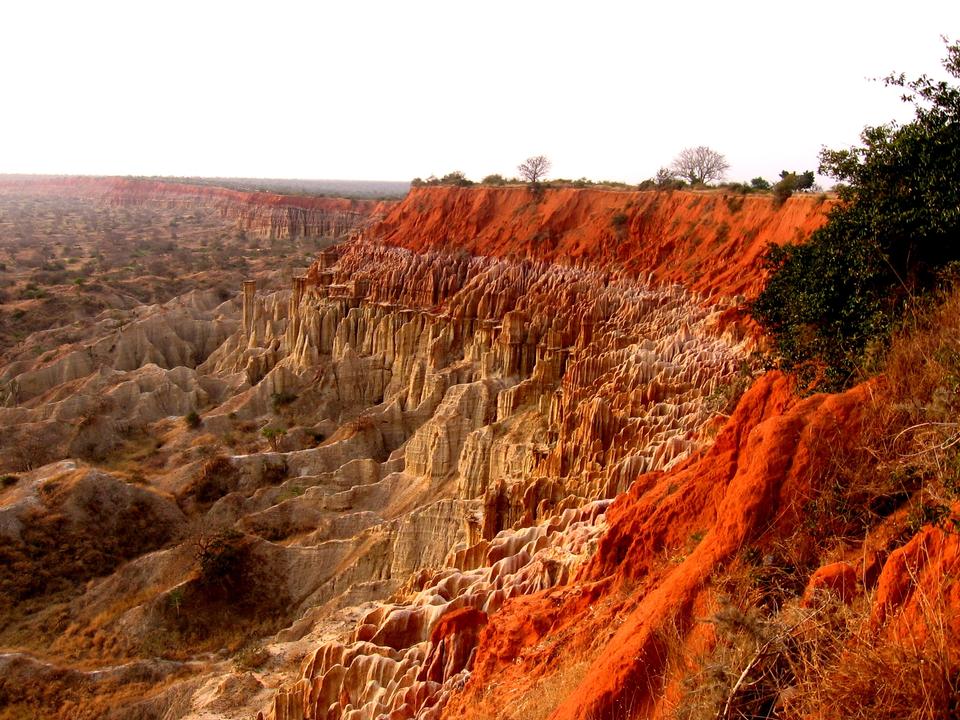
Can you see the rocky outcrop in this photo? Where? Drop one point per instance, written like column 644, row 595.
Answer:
column 528, row 393
column 502, row 373
column 405, row 659
column 454, row 400
column 766, row 456
column 82, row 400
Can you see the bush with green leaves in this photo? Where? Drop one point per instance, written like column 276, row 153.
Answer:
column 456, row 178
column 789, row 183
column 273, row 435
column 832, row 299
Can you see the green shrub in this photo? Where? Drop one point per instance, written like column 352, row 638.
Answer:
column 273, row 436
column 456, row 178
column 192, row 420
column 830, row 300
column 494, row 179
column 284, row 397
column 789, row 183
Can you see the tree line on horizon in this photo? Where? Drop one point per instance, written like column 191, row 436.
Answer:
column 695, row 167
column 831, row 302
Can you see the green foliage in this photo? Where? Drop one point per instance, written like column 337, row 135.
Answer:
column 619, row 221
column 456, row 178
column 758, row 183
column 789, row 183
column 494, row 179
column 273, row 435
column 192, row 420
column 284, row 397
column 829, row 300
column 666, row 179
column 8, row 480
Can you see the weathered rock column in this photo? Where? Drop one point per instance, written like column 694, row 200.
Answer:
column 249, row 294
column 293, row 316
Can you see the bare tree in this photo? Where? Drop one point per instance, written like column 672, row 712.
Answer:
column 700, row 164
column 664, row 177
column 533, row 169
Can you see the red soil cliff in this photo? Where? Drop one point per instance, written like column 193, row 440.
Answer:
column 709, row 242
column 763, row 461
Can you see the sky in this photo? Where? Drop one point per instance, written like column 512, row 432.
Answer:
column 356, row 89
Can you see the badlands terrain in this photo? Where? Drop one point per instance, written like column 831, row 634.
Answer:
column 482, row 452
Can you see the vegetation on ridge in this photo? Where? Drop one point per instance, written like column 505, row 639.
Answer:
column 831, row 299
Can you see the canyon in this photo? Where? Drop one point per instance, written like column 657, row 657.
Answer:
column 489, row 454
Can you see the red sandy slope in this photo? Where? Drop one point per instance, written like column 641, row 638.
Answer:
column 710, row 242
column 645, row 584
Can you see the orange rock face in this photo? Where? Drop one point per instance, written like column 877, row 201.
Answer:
column 530, row 455
column 711, row 243
column 549, row 290
column 763, row 459
column 838, row 578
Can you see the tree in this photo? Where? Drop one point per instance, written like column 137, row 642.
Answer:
column 533, row 169
column 830, row 299
column 495, row 179
column 666, row 179
column 700, row 165
column 758, row 183
column 455, row 178
column 789, row 183
column 273, row 436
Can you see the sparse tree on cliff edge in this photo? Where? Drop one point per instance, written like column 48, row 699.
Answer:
column 533, row 169
column 700, row 165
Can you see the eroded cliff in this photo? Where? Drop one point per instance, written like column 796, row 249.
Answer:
column 487, row 458
column 266, row 214
column 709, row 242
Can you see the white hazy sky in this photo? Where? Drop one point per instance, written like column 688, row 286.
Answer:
column 391, row 90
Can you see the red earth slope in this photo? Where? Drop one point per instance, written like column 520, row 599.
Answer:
column 709, row 242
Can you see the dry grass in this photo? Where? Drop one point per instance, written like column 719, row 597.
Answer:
column 821, row 662
column 904, row 458
column 896, row 471
column 546, row 695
